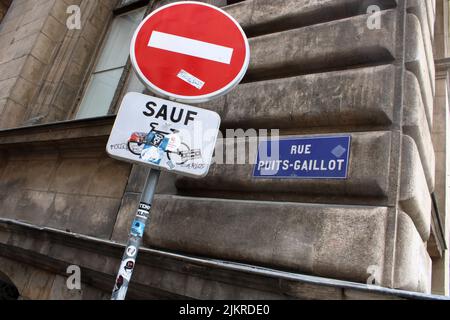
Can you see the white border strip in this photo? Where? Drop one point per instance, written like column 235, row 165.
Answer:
column 190, row 47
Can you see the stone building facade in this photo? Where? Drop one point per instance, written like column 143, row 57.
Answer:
column 374, row 69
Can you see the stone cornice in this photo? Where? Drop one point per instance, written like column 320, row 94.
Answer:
column 53, row 250
column 95, row 129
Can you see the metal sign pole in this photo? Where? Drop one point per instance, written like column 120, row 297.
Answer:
column 135, row 237
column 166, row 147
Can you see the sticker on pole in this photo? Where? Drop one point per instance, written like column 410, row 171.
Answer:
column 164, row 135
column 190, row 52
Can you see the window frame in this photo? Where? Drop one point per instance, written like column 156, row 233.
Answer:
column 125, row 76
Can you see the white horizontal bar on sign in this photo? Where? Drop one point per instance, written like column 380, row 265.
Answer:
column 190, row 47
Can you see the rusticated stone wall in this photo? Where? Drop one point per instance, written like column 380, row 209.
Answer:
column 317, row 69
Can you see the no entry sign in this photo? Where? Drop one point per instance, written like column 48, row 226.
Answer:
column 187, row 52
column 190, row 52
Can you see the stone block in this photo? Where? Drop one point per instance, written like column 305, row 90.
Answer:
column 44, row 48
column 110, row 179
column 415, row 197
column 368, row 173
column 8, row 200
column 431, row 13
column 138, row 177
column 39, row 285
column 331, row 241
column 89, row 293
column 93, row 216
column 39, row 11
column 23, row 47
column 83, row 53
column 11, row 69
column 321, row 47
column 92, row 32
column 19, row 8
column 31, row 174
column 441, row 88
column 12, row 115
column 33, row 70
column 6, row 86
column 52, row 29
column 266, row 16
column 34, row 206
column 73, row 176
column 127, row 212
column 33, row 153
column 418, row 8
column 23, row 91
column 362, row 96
column 413, row 264
column 416, row 61
column 101, row 13
column 59, row 290
column 64, row 98
column 3, row 103
column 59, row 11
column 415, row 124
column 440, row 122
column 27, row 29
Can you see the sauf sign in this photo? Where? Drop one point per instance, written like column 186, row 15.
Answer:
column 164, row 135
column 187, row 52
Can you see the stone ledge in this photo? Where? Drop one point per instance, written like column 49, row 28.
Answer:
column 418, row 8
column 416, row 62
column 367, row 178
column 410, row 247
column 198, row 275
column 415, row 124
column 431, row 12
column 415, row 197
column 335, row 45
column 329, row 99
column 266, row 16
column 88, row 129
column 332, row 241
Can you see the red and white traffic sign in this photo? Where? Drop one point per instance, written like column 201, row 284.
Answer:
column 190, row 52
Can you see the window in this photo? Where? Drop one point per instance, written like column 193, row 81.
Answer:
column 109, row 68
column 4, row 6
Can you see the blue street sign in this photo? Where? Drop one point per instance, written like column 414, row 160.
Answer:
column 303, row 158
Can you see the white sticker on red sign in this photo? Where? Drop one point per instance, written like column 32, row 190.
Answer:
column 190, row 52
column 164, row 135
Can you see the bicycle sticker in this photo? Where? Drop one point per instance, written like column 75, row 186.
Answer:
column 155, row 145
